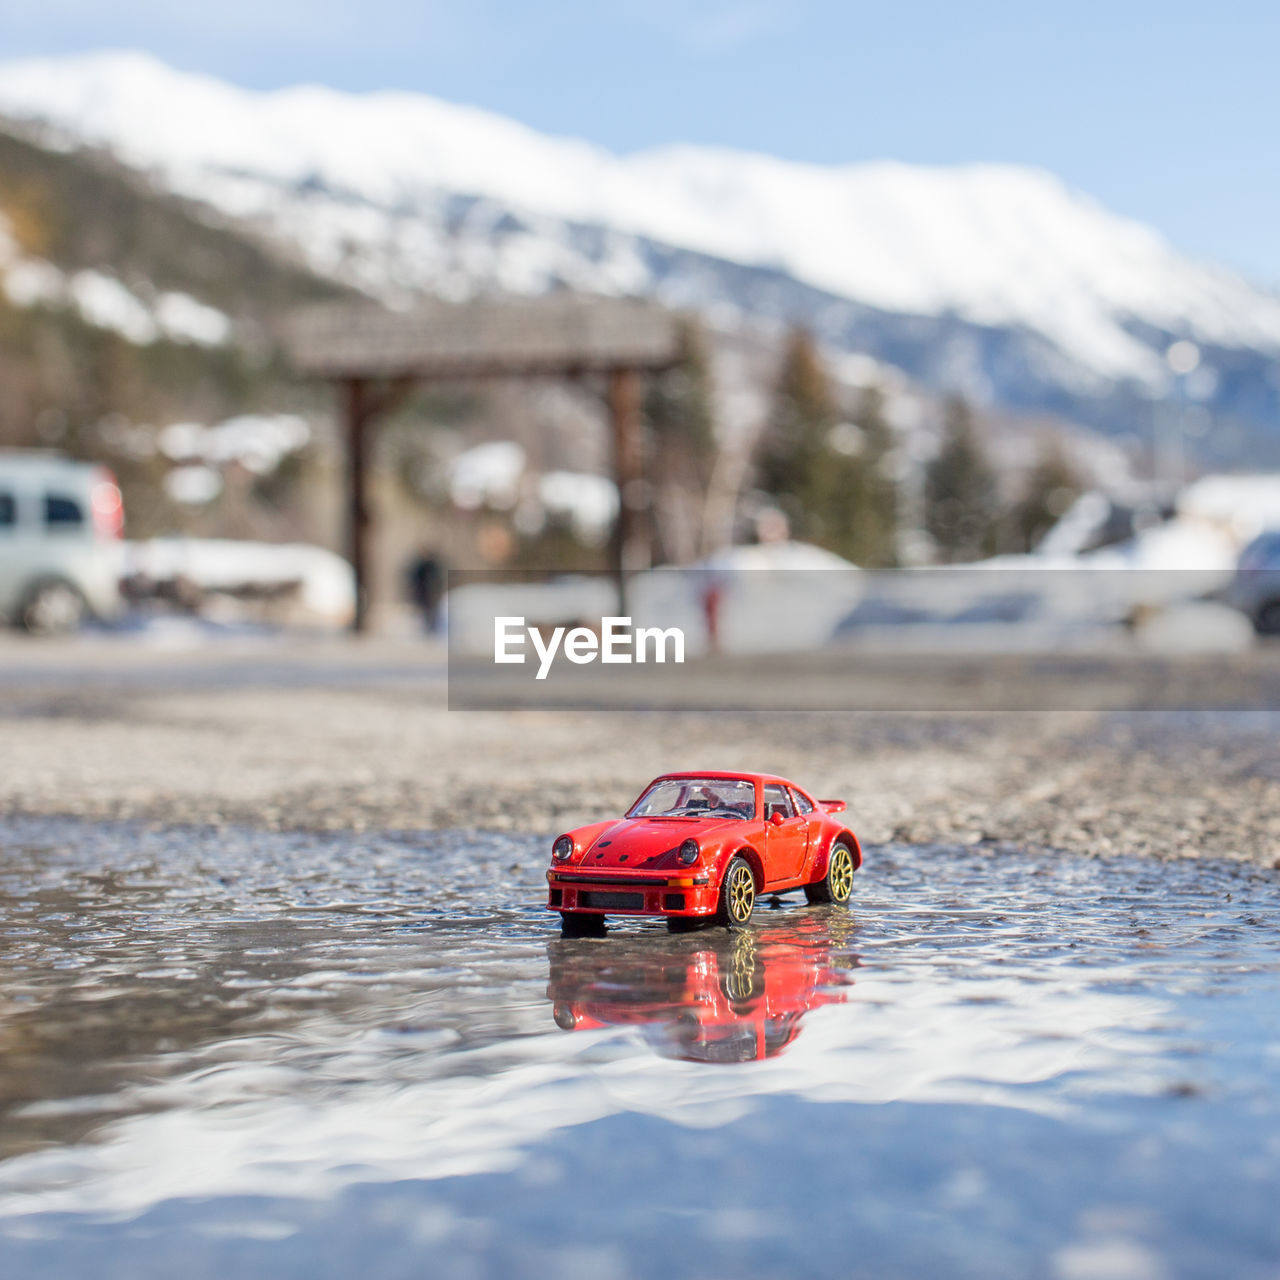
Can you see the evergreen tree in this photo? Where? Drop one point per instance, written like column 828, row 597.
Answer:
column 961, row 492
column 681, row 415
column 826, row 474
column 854, row 497
column 795, row 440
column 1052, row 485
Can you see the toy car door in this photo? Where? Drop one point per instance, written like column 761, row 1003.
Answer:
column 786, row 841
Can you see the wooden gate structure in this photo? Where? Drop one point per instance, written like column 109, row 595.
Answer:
column 375, row 358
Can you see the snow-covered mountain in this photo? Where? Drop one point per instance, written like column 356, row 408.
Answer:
column 995, row 280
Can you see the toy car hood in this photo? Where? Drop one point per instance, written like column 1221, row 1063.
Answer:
column 634, row 842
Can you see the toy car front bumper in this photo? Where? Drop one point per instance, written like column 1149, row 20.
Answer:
column 677, row 895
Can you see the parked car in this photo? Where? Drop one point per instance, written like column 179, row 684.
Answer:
column 60, row 526
column 703, row 846
column 1256, row 586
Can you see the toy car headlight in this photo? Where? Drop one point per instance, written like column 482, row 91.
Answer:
column 689, row 852
column 562, row 848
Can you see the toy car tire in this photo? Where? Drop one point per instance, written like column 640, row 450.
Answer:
column 837, row 885
column 737, row 895
column 684, row 924
column 580, row 924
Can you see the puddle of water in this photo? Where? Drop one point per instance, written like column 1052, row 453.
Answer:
column 315, row 1055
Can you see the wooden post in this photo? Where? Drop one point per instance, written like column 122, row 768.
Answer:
column 363, row 406
column 357, row 423
column 631, row 546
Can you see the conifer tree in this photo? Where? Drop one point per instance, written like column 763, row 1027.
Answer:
column 796, row 436
column 827, row 474
column 1052, row 485
column 961, row 492
column 855, row 499
column 681, row 416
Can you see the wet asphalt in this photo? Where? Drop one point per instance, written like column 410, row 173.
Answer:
column 228, row 1051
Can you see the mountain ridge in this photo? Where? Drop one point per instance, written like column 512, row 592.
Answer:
column 994, row 280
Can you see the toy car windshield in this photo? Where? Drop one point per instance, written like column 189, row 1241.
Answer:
column 697, row 798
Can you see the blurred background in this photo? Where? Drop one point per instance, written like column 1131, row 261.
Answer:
column 917, row 357
column 948, row 289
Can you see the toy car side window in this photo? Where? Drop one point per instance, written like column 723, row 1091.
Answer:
column 776, row 801
column 801, row 802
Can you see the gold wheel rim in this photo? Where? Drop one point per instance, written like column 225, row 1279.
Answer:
column 742, row 893
column 841, row 874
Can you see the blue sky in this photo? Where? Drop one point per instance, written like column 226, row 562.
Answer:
column 1164, row 111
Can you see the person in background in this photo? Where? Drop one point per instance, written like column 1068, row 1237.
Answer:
column 426, row 588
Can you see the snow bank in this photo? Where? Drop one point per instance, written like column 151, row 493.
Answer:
column 326, row 584
column 1244, row 505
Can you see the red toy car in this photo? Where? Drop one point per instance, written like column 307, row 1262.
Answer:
column 699, row 846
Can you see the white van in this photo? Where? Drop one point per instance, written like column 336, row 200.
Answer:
column 60, row 529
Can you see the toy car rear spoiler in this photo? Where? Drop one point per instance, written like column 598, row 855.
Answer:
column 833, row 806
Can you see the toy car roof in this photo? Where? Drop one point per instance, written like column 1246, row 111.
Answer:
column 729, row 775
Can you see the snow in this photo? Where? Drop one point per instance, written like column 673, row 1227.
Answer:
column 257, row 441
column 1075, row 528
column 487, row 475
column 1186, row 545
column 193, row 486
column 1247, row 505
column 780, row 557
column 185, row 320
column 996, row 244
column 327, row 586
column 32, row 282
column 106, row 303
column 1161, row 582
column 491, row 475
column 590, row 502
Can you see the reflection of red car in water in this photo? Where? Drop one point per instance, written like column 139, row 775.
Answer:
column 702, row 846
column 722, row 998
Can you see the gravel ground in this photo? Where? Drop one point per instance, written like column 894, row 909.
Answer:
column 342, row 736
